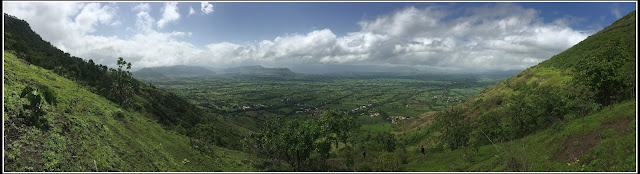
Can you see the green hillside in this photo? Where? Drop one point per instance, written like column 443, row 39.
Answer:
column 577, row 108
column 169, row 114
column 603, row 141
column 84, row 127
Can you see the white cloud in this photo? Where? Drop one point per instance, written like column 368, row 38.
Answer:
column 144, row 21
column 170, row 14
column 206, row 8
column 93, row 13
column 142, row 7
column 191, row 11
column 502, row 36
column 616, row 12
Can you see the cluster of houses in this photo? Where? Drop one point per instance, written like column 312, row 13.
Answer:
column 361, row 107
column 395, row 119
column 448, row 99
column 256, row 106
column 312, row 112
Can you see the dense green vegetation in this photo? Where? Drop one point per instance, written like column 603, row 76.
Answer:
column 117, row 85
column 553, row 91
column 77, row 130
column 172, row 112
column 577, row 84
column 247, row 98
column 337, row 115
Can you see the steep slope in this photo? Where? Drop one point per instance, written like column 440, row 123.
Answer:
column 87, row 132
column 579, row 86
column 594, row 73
column 208, row 131
column 601, row 142
column 171, row 111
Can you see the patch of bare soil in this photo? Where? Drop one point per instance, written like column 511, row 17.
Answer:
column 576, row 146
column 619, row 126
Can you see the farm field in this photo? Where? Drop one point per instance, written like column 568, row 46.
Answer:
column 375, row 98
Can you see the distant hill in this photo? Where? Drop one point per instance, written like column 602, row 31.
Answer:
column 176, row 71
column 400, row 69
column 146, row 73
column 259, row 70
column 332, row 68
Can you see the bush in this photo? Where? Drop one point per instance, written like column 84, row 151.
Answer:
column 454, row 126
column 35, row 96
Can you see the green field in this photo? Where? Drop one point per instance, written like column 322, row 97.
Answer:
column 306, row 96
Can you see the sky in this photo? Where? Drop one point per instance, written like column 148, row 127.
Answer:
column 452, row 35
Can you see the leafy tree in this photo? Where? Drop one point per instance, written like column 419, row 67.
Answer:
column 292, row 141
column 299, row 141
column 337, row 126
column 122, row 86
column 454, row 126
column 604, row 73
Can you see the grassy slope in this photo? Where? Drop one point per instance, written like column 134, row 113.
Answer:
column 591, row 141
column 604, row 141
column 557, row 71
column 85, row 129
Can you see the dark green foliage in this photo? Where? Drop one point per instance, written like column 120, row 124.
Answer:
column 604, row 62
column 212, row 133
column 122, row 85
column 606, row 73
column 304, row 145
column 35, row 96
column 292, row 141
column 454, row 126
column 337, row 126
column 373, row 141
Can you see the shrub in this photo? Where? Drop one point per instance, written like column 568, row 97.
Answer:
column 35, row 96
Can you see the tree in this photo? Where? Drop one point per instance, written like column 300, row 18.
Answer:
column 299, row 141
column 604, row 73
column 122, row 84
column 337, row 126
column 454, row 126
column 292, row 141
